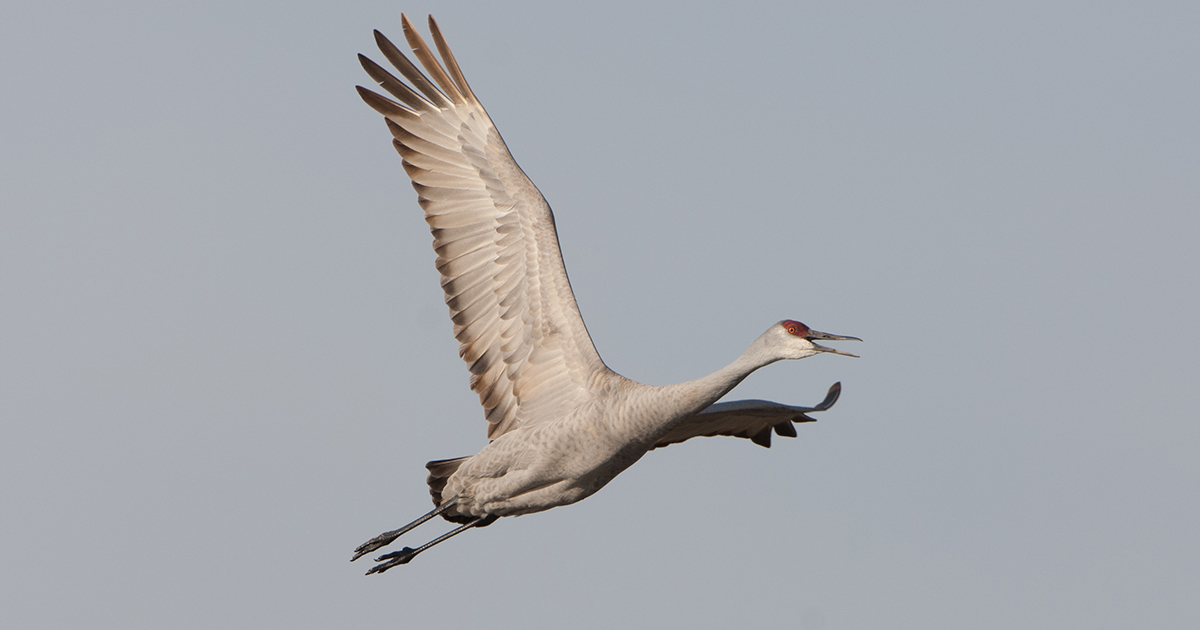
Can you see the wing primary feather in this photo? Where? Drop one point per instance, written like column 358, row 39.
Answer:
column 425, row 56
column 410, row 71
column 835, row 390
column 431, row 163
column 382, row 104
column 423, row 145
column 430, row 177
column 451, row 63
column 394, row 86
column 440, row 193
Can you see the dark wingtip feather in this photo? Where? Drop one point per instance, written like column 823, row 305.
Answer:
column 394, row 86
column 835, row 391
column 423, row 54
column 382, row 104
column 762, row 438
column 410, row 71
column 456, row 74
column 785, row 429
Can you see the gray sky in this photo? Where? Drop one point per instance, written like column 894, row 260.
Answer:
column 224, row 358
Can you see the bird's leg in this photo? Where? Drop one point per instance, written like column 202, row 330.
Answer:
column 389, row 560
column 386, row 538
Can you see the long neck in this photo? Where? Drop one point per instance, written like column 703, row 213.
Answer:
column 699, row 394
column 651, row 410
column 658, row 408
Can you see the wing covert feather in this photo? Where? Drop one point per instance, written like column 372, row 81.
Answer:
column 514, row 314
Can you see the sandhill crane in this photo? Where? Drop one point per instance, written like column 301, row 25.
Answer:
column 561, row 423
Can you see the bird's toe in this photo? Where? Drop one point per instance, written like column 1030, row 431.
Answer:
column 389, row 560
column 377, row 542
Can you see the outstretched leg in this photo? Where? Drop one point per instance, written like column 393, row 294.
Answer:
column 396, row 558
column 386, row 538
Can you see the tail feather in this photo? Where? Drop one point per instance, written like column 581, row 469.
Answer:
column 439, row 473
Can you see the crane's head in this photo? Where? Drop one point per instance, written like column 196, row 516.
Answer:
column 798, row 340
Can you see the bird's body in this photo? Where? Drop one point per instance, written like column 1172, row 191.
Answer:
column 561, row 423
column 569, row 457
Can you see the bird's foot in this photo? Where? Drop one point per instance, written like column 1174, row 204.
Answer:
column 389, row 560
column 381, row 540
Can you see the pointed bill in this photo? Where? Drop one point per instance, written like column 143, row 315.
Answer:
column 816, row 334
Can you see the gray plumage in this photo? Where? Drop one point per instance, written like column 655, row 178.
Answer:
column 561, row 423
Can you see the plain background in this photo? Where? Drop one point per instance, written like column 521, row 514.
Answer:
column 224, row 358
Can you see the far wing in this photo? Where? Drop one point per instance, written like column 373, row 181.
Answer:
column 753, row 419
column 514, row 314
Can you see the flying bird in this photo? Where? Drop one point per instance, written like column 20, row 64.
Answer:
column 561, row 424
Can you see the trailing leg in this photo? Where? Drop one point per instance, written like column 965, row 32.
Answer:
column 386, row 538
column 406, row 554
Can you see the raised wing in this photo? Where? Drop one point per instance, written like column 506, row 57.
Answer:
column 753, row 419
column 514, row 314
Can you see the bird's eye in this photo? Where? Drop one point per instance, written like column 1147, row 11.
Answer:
column 794, row 327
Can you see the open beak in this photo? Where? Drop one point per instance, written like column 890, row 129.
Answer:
column 814, row 334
